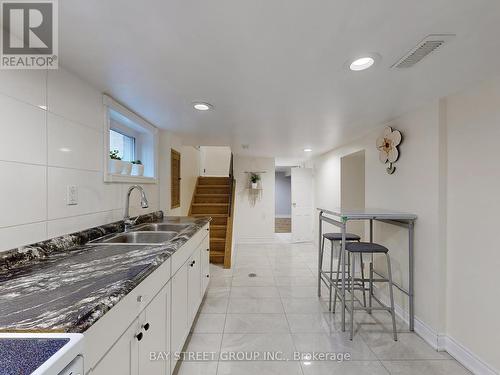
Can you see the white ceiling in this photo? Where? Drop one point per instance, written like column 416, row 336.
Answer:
column 274, row 69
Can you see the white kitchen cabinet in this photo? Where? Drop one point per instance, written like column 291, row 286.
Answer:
column 205, row 265
column 155, row 324
column 122, row 358
column 130, row 355
column 161, row 316
column 179, row 317
column 194, row 285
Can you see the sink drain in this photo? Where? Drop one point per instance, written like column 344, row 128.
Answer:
column 252, row 275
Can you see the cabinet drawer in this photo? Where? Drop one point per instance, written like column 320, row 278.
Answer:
column 106, row 331
column 184, row 253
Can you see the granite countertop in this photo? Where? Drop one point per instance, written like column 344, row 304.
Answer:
column 66, row 285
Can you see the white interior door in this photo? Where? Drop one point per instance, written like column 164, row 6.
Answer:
column 302, row 204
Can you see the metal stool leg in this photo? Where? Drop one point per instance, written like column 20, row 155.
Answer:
column 320, row 260
column 331, row 277
column 370, row 289
column 339, row 261
column 363, row 278
column 351, row 279
column 389, row 272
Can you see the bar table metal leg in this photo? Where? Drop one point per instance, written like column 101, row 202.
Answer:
column 343, row 228
column 320, row 255
column 411, row 276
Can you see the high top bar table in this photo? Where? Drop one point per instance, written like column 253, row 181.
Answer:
column 340, row 217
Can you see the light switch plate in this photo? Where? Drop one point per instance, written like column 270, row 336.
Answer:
column 72, row 195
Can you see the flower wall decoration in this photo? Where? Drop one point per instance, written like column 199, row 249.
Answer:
column 387, row 144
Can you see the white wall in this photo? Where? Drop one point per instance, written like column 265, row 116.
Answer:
column 448, row 175
column 352, row 189
column 283, row 195
column 35, row 170
column 254, row 222
column 473, row 206
column 413, row 188
column 215, row 161
column 190, row 166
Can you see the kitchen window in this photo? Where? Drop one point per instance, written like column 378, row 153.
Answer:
column 131, row 146
column 124, row 144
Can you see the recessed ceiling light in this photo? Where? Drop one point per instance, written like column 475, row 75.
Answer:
column 308, row 150
column 201, row 106
column 362, row 63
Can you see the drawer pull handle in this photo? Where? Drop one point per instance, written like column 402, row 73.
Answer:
column 208, row 250
column 208, row 275
column 139, row 336
column 192, row 263
column 139, row 298
column 146, row 326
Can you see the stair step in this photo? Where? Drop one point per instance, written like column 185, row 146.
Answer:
column 210, row 208
column 217, row 256
column 218, row 231
column 214, row 181
column 212, row 189
column 211, row 204
column 218, row 244
column 211, row 198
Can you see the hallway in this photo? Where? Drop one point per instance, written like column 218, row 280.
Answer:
column 278, row 311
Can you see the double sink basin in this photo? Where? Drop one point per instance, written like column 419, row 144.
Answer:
column 144, row 234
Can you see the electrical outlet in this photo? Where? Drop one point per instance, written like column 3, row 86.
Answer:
column 71, row 195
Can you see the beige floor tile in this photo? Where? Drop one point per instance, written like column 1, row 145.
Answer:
column 260, row 368
column 427, row 367
column 254, row 292
column 197, row 368
column 408, row 346
column 256, row 323
column 333, row 343
column 344, row 368
column 255, row 306
column 209, row 323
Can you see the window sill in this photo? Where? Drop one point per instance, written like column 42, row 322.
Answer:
column 127, row 178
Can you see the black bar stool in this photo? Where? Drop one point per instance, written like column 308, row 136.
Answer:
column 335, row 237
column 353, row 248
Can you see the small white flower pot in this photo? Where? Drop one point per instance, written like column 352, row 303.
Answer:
column 115, row 166
column 127, row 168
column 255, row 185
column 137, row 170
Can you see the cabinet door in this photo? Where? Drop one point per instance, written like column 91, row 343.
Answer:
column 156, row 339
column 194, row 285
column 122, row 358
column 205, row 267
column 179, row 327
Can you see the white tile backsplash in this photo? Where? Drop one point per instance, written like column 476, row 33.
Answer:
column 42, row 152
column 93, row 194
column 74, row 99
column 23, row 193
column 73, row 145
column 23, row 132
column 74, row 224
column 29, row 86
column 19, row 235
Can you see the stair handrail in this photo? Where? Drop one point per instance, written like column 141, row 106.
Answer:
column 231, row 179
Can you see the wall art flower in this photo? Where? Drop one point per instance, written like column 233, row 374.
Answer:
column 387, row 144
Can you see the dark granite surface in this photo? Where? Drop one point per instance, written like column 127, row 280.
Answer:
column 64, row 285
column 24, row 356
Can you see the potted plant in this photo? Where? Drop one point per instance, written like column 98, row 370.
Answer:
column 115, row 162
column 254, row 179
column 137, row 168
column 127, row 168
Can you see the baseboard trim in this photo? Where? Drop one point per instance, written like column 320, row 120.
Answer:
column 468, row 359
column 442, row 342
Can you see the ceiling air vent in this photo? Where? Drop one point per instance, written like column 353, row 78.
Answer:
column 423, row 49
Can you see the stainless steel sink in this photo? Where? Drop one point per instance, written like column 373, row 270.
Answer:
column 162, row 227
column 137, row 237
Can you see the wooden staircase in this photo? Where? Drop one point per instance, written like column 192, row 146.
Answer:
column 214, row 197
